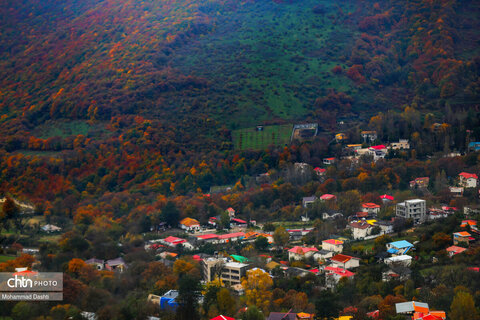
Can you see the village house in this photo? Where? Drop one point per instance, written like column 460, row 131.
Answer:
column 331, row 215
column 402, row 144
column 320, row 171
column 333, row 276
column 360, row 230
column 378, row 152
column 398, row 273
column 236, row 222
column 327, row 197
column 332, row 245
column 456, row 191
column 414, row 209
column 308, row 201
column 341, row 137
column 300, row 253
column 190, row 225
column 468, row 180
column 420, row 183
column 472, row 224
column 328, row 161
column 117, row 264
column 370, row 207
column 369, row 136
column 454, row 250
column 322, row 255
column 49, row 228
column 231, row 212
column 96, row 263
column 474, row 146
column 400, row 247
column 386, row 227
column 344, row 261
column 462, row 237
column 398, row 261
column 168, row 301
column 386, row 199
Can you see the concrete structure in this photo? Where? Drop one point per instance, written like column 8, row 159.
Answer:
column 415, row 209
column 369, row 136
column 230, row 273
column 386, row 227
column 461, row 237
column 328, row 161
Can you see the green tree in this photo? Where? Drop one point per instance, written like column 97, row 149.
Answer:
column 225, row 220
column 281, row 236
column 225, row 302
column 189, row 289
column 463, row 307
column 170, row 214
column 261, row 243
column 253, row 313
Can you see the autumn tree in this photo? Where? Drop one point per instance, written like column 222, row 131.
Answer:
column 463, row 307
column 189, row 290
column 225, row 302
column 257, row 286
column 281, row 236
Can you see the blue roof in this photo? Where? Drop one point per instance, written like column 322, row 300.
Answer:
column 401, row 244
column 391, row 250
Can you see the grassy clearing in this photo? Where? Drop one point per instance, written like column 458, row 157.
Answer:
column 5, row 258
column 50, row 238
column 268, row 60
column 250, row 138
column 62, row 129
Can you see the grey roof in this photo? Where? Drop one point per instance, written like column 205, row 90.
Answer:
column 93, row 260
column 312, row 198
column 282, row 316
column 172, row 294
column 115, row 262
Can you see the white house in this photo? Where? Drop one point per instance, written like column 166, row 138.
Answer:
column 332, row 245
column 299, row 253
column 402, row 260
column 370, row 207
column 360, row 230
column 322, row 255
column 401, row 144
column 344, row 261
column 400, row 247
column 50, row 228
column 190, row 224
column 468, row 180
column 385, row 226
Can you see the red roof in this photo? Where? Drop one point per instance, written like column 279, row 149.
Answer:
column 321, row 170
column 386, row 196
column 340, row 271
column 208, row 236
column 379, row 147
column 331, row 159
column 239, row 221
column 220, row 317
column 374, row 314
column 342, row 258
column 361, row 214
column 327, row 196
column 467, row 175
column 476, row 269
column 314, row 270
column 360, row 225
column 174, row 240
column 302, row 250
column 455, row 249
column 231, row 235
column 370, row 205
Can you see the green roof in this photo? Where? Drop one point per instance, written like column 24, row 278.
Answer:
column 239, row 258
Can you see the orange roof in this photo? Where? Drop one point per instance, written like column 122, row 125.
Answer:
column 302, row 250
column 469, row 222
column 455, row 249
column 462, row 234
column 189, row 222
column 342, row 258
column 333, row 241
column 420, row 309
column 370, row 205
column 440, row 314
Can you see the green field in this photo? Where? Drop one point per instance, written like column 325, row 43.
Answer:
column 267, row 60
column 251, row 138
column 4, row 258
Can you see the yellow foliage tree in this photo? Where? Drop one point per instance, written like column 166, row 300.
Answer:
column 257, row 285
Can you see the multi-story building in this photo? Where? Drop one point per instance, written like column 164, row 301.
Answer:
column 415, row 209
column 230, row 273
